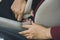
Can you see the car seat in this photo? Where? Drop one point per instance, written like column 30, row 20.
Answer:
column 48, row 14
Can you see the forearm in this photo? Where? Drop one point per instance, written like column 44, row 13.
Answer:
column 49, row 36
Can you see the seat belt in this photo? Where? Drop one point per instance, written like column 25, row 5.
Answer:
column 27, row 9
column 14, row 25
column 11, row 24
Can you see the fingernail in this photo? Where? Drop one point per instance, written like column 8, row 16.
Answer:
column 18, row 19
column 20, row 32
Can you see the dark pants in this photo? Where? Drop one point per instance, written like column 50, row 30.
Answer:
column 5, row 11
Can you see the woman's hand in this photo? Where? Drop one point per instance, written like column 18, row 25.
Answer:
column 18, row 7
column 36, row 32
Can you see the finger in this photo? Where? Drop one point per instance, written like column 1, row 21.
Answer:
column 24, row 32
column 32, row 13
column 29, row 37
column 15, row 13
column 16, row 16
column 33, row 23
column 20, row 15
column 19, row 18
column 27, row 26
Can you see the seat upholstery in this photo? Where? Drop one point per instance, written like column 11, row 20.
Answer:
column 48, row 14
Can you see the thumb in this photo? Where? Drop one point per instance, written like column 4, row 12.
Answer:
column 33, row 23
column 19, row 17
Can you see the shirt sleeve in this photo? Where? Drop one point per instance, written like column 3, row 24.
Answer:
column 55, row 32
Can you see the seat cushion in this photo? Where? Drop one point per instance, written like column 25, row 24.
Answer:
column 48, row 14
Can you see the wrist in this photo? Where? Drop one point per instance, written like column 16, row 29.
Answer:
column 48, row 33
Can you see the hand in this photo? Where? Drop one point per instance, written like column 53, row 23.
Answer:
column 18, row 7
column 36, row 32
